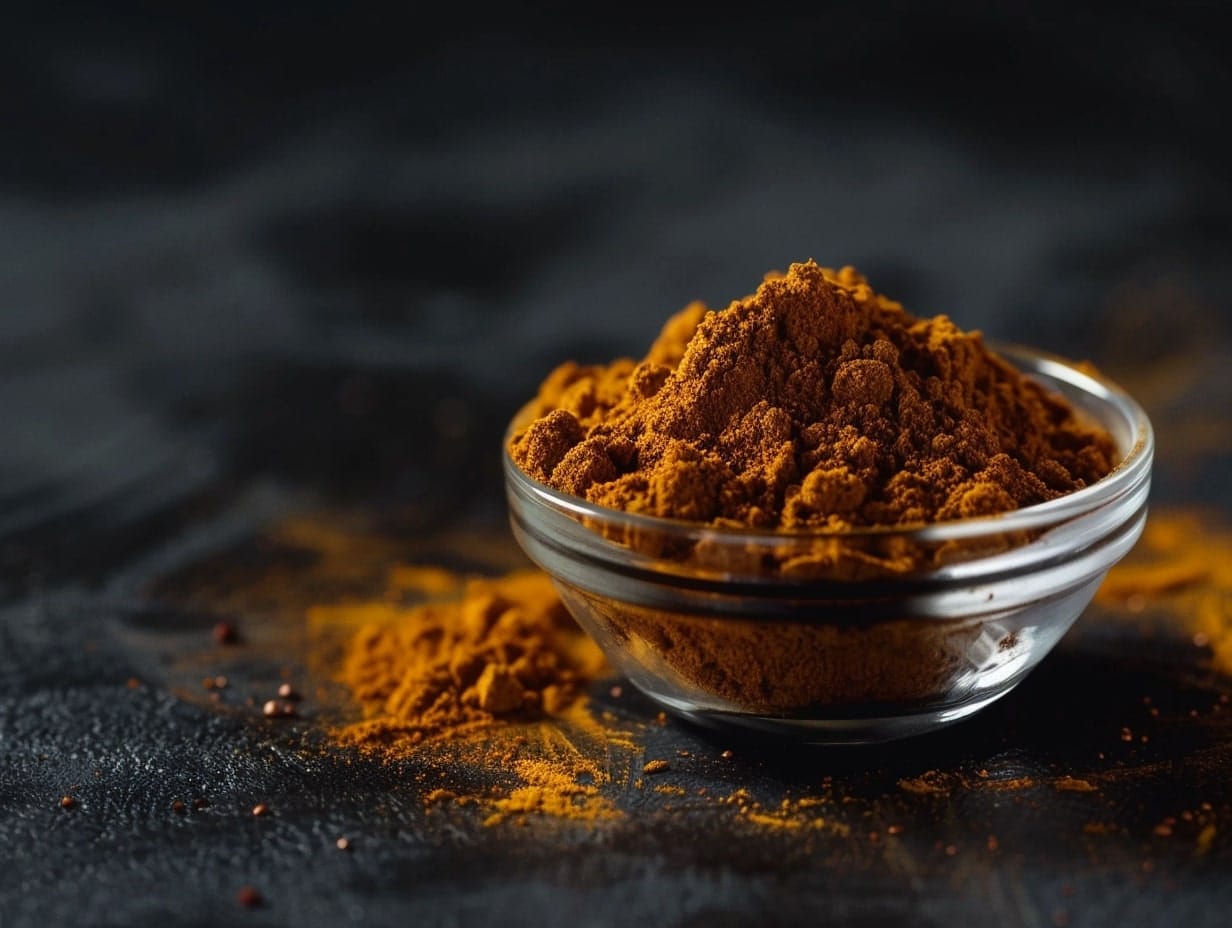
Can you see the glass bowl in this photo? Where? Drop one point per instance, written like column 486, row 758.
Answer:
column 843, row 637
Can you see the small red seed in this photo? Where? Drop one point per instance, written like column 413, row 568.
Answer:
column 260, row 809
column 224, row 633
column 277, row 709
column 177, row 806
column 248, row 897
column 67, row 802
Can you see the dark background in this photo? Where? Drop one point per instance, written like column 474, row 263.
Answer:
column 259, row 259
column 482, row 194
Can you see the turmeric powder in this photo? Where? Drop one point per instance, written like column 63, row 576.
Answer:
column 814, row 403
column 491, row 676
column 506, row 649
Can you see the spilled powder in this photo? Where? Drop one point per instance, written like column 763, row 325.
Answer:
column 489, row 679
column 506, row 649
column 1182, row 567
column 789, row 815
column 555, row 790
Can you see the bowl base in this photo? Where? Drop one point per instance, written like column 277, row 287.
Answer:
column 836, row 731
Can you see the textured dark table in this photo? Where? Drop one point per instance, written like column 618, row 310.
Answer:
column 243, row 291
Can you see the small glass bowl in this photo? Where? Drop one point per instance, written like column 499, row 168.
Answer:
column 850, row 637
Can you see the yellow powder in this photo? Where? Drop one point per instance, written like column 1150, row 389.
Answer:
column 556, row 791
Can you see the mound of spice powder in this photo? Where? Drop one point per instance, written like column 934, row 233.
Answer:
column 505, row 649
column 814, row 403
column 483, row 688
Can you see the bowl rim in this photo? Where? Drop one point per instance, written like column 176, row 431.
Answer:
column 1134, row 466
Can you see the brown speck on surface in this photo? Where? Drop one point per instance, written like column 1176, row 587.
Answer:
column 661, row 718
column 1162, row 831
column 67, row 802
column 343, row 844
column 992, row 843
column 727, row 755
column 225, row 633
column 894, row 830
column 950, row 850
column 248, row 897
column 133, row 683
column 616, row 692
column 1201, row 639
column 260, row 809
column 177, row 806
column 656, row 766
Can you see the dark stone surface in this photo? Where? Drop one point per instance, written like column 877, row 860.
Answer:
column 305, row 264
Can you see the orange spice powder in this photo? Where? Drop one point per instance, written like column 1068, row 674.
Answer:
column 1182, row 565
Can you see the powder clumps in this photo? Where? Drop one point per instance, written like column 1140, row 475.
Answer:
column 814, row 403
column 484, row 689
column 505, row 650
